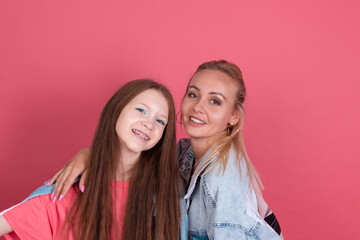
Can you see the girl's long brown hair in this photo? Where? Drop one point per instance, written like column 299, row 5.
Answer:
column 152, row 207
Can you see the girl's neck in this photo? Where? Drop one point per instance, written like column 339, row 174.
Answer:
column 199, row 147
column 126, row 162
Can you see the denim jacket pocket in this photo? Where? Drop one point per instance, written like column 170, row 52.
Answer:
column 235, row 231
column 208, row 192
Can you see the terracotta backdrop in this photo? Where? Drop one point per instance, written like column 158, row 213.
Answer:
column 60, row 61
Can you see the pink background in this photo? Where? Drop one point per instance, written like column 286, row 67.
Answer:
column 61, row 61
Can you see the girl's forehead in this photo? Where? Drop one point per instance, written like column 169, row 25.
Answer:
column 149, row 95
column 153, row 99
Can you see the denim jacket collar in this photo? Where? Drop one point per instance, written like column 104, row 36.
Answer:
column 186, row 164
column 187, row 159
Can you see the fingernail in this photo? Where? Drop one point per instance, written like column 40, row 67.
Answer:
column 54, row 200
column 48, row 184
column 52, row 196
column 61, row 197
column 82, row 188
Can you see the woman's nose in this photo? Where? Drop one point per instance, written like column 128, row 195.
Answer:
column 199, row 106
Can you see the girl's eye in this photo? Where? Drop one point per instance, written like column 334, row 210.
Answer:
column 216, row 102
column 161, row 122
column 140, row 110
column 192, row 95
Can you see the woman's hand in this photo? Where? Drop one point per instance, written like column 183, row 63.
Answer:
column 65, row 178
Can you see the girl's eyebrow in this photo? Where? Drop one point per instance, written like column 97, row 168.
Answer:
column 214, row 93
column 161, row 115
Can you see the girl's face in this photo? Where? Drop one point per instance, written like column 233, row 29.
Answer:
column 208, row 105
column 142, row 122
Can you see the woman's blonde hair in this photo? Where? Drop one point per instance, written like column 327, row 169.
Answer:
column 233, row 134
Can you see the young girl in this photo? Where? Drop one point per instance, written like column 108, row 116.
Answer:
column 223, row 190
column 132, row 182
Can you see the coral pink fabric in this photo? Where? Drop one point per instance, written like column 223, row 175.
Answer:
column 39, row 218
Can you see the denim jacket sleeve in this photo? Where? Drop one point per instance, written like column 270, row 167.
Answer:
column 227, row 202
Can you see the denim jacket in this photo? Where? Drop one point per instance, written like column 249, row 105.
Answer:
column 217, row 203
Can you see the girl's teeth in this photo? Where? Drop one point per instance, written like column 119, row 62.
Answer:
column 196, row 120
column 140, row 134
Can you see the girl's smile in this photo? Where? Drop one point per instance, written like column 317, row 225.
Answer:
column 142, row 122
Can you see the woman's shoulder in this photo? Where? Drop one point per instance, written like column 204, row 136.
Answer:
column 185, row 153
column 234, row 173
column 234, row 164
column 183, row 145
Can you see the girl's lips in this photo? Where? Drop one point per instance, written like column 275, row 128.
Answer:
column 141, row 134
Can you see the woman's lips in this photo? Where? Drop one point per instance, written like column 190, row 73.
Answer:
column 196, row 121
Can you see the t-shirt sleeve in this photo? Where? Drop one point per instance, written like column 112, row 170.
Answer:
column 30, row 220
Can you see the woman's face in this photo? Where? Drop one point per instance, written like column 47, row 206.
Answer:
column 142, row 122
column 208, row 105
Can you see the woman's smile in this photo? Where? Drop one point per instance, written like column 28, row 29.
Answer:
column 195, row 121
column 209, row 104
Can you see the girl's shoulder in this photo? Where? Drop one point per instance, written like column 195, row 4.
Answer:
column 45, row 189
column 39, row 210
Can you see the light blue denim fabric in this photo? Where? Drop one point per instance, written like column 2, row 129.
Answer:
column 216, row 202
column 184, row 222
column 44, row 190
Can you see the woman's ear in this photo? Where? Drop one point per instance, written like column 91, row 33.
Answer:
column 235, row 118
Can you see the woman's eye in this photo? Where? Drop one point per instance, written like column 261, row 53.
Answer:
column 161, row 122
column 216, row 102
column 140, row 110
column 192, row 95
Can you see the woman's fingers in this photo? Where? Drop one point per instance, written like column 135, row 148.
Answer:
column 67, row 176
column 69, row 181
column 82, row 181
column 65, row 181
column 60, row 183
column 54, row 178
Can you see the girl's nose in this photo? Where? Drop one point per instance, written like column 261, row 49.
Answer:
column 147, row 124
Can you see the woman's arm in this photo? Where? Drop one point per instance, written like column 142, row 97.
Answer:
column 263, row 208
column 65, row 178
column 232, row 217
column 4, row 226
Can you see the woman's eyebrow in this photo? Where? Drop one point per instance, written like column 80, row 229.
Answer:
column 218, row 93
column 196, row 88
column 213, row 93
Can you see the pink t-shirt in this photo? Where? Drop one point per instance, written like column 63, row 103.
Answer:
column 39, row 218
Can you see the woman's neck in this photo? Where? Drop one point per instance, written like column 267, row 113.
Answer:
column 199, row 147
